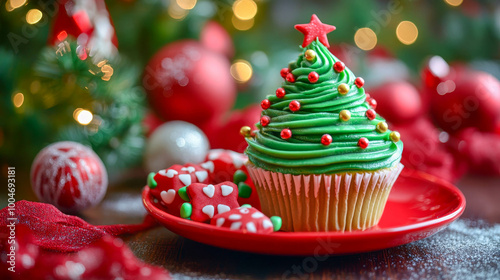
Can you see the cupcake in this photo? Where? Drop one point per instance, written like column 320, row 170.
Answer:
column 322, row 158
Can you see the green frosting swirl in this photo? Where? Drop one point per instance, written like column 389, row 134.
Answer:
column 321, row 104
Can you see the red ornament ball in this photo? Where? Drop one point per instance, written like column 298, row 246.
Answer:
column 284, row 72
column 363, row 143
column 265, row 120
column 290, row 78
column 359, row 82
column 339, row 66
column 400, row 101
column 294, row 105
column 326, row 139
column 70, row 176
column 215, row 37
column 373, row 103
column 186, row 81
column 286, row 133
column 265, row 104
column 313, row 77
column 370, row 114
column 280, row 93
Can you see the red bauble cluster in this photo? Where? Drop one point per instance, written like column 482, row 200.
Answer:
column 370, row 114
column 280, row 93
column 265, row 120
column 359, row 82
column 286, row 133
column 313, row 77
column 265, row 104
column 339, row 66
column 294, row 106
column 363, row 143
column 326, row 139
column 290, row 78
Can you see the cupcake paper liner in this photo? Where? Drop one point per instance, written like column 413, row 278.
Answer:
column 338, row 202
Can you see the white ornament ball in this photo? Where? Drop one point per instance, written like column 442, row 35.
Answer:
column 70, row 176
column 175, row 142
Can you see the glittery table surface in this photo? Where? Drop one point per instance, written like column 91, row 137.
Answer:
column 469, row 248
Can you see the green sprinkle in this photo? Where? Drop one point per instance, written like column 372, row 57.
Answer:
column 246, row 206
column 151, row 180
column 239, row 176
column 276, row 220
column 183, row 193
column 244, row 190
column 186, row 210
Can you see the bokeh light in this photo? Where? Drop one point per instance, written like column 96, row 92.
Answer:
column 18, row 99
column 176, row 12
column 11, row 5
column 453, row 2
column 82, row 116
column 33, row 16
column 242, row 25
column 186, row 4
column 407, row 32
column 245, row 9
column 241, row 70
column 365, row 38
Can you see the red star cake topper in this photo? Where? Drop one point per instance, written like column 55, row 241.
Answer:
column 315, row 29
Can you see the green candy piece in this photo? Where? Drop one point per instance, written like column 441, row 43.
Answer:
column 183, row 193
column 239, row 176
column 186, row 210
column 244, row 190
column 246, row 206
column 151, row 180
column 276, row 220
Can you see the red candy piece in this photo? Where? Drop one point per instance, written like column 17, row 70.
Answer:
column 284, row 72
column 286, row 133
column 363, row 143
column 245, row 219
column 265, row 104
column 339, row 66
column 313, row 77
column 359, row 82
column 294, row 106
column 290, row 78
column 373, row 103
column 265, row 120
column 370, row 114
column 326, row 139
column 209, row 200
column 170, row 180
column 280, row 93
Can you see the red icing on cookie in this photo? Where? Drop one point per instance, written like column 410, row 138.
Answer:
column 171, row 180
column 209, row 200
column 245, row 219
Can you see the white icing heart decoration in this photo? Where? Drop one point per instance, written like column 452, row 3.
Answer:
column 238, row 159
column 215, row 154
column 235, row 226
column 244, row 210
column 168, row 196
column 226, row 190
column 169, row 173
column 267, row 224
column 220, row 222
column 209, row 191
column 201, row 175
column 221, row 208
column 251, row 227
column 234, row 217
column 185, row 179
column 209, row 210
column 257, row 215
column 209, row 165
column 189, row 169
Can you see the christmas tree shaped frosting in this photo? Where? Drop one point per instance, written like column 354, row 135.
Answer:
column 321, row 120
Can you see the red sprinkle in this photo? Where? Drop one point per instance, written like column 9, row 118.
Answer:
column 265, row 120
column 339, row 66
column 290, row 78
column 284, row 72
column 370, row 114
column 313, row 77
column 280, row 93
column 373, row 103
column 286, row 133
column 368, row 97
column 363, row 143
column 326, row 139
column 359, row 82
column 265, row 104
column 294, row 106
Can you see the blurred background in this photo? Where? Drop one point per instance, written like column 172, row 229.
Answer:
column 107, row 74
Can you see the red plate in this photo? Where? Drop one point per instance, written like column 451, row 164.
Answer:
column 419, row 206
